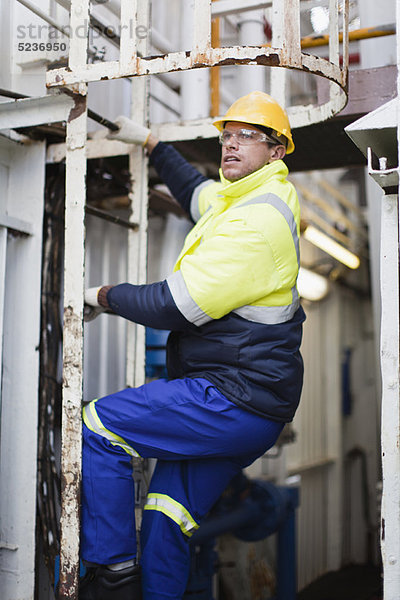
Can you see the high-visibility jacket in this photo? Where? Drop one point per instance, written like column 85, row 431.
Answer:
column 231, row 302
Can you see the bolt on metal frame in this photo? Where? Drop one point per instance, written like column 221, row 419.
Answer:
column 134, row 62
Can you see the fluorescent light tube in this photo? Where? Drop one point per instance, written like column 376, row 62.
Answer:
column 328, row 245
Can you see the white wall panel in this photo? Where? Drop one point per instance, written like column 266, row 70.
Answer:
column 104, row 341
column 331, row 525
column 18, row 436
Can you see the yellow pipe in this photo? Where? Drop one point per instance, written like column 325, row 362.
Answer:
column 358, row 34
column 366, row 33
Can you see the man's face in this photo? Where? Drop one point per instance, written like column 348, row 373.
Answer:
column 239, row 160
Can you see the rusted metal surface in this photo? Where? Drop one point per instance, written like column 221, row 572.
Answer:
column 72, row 350
column 182, row 61
column 291, row 41
column 71, row 426
column 287, row 53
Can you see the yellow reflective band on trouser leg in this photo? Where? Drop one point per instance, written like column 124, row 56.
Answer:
column 93, row 422
column 174, row 510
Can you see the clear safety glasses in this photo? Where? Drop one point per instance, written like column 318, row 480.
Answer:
column 244, row 137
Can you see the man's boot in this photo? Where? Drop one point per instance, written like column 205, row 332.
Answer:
column 103, row 583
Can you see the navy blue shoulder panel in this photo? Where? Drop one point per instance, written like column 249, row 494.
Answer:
column 256, row 366
column 151, row 305
column 179, row 175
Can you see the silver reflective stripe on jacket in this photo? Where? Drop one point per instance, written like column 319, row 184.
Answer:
column 183, row 300
column 285, row 211
column 93, row 422
column 172, row 509
column 194, row 202
column 271, row 315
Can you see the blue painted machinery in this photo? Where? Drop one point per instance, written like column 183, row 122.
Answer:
column 251, row 510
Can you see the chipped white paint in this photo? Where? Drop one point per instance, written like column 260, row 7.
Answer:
column 181, row 61
column 71, row 429
column 291, row 42
column 287, row 54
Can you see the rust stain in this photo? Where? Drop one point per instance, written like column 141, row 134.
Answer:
column 273, row 60
column 261, row 576
column 70, row 480
column 68, row 585
column 152, row 57
column 75, row 112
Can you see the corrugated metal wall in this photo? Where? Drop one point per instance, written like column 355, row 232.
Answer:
column 330, row 446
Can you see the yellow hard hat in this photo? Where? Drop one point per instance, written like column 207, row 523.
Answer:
column 258, row 108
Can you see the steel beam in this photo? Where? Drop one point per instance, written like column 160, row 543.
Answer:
column 28, row 112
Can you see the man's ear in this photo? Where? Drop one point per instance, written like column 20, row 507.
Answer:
column 278, row 152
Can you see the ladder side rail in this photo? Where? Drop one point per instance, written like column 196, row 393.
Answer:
column 137, row 240
column 202, row 26
column 128, row 49
column 71, row 427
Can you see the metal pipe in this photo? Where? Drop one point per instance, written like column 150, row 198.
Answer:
column 103, row 214
column 251, row 32
column 195, row 86
column 357, row 34
column 9, row 94
column 366, row 33
column 102, row 120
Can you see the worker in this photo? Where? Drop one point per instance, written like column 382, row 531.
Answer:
column 234, row 365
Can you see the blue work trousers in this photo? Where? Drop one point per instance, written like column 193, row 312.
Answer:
column 201, row 440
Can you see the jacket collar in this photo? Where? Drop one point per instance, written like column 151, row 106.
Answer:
column 236, row 189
